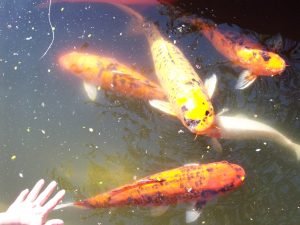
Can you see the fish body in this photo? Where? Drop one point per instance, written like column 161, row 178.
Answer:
column 188, row 97
column 190, row 183
column 109, row 74
column 243, row 52
column 235, row 127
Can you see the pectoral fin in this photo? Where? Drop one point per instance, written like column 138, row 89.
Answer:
column 210, row 85
column 194, row 212
column 158, row 210
column 163, row 106
column 245, row 80
column 90, row 90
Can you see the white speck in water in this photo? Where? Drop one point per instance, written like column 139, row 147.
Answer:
column 207, row 147
column 255, row 115
column 15, row 67
column 137, row 168
column 91, row 130
column 43, row 131
column 28, row 38
column 28, row 129
column 121, row 34
column 257, row 150
column 21, row 175
column 62, row 9
column 265, row 143
column 174, row 42
column 250, row 218
column 180, row 132
column 49, row 70
column 43, row 104
column 134, row 177
column 160, row 137
column 89, row 35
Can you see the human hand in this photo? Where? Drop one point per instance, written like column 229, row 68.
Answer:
column 33, row 207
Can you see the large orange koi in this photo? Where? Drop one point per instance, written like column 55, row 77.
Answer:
column 189, row 183
column 242, row 51
column 107, row 73
column 188, row 97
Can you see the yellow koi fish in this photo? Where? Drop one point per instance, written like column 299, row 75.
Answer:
column 188, row 97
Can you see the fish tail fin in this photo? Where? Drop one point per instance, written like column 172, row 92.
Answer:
column 138, row 17
column 296, row 149
column 64, row 205
column 202, row 24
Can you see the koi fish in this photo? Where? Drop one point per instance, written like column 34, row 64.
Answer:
column 102, row 72
column 234, row 127
column 126, row 2
column 242, row 51
column 196, row 183
column 188, row 97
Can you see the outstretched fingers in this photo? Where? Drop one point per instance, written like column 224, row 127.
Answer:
column 50, row 205
column 54, row 222
column 22, row 196
column 44, row 196
column 35, row 191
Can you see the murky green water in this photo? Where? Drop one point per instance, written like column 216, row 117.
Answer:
column 48, row 128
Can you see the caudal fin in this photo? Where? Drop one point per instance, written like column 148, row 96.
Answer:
column 296, row 148
column 129, row 11
column 64, row 205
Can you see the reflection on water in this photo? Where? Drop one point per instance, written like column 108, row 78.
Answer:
column 49, row 129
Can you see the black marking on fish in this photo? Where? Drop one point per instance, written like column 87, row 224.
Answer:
column 112, row 66
column 226, row 188
column 209, row 170
column 207, row 113
column 191, row 123
column 184, row 108
column 208, row 193
column 265, row 56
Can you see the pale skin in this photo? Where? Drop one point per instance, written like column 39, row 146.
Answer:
column 32, row 207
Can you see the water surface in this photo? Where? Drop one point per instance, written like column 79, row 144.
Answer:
column 48, row 128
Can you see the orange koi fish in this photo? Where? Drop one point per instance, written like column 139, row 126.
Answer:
column 242, row 51
column 189, row 183
column 101, row 72
column 188, row 97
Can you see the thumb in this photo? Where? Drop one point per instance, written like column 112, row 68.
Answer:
column 54, row 222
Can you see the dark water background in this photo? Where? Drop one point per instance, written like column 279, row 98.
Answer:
column 45, row 118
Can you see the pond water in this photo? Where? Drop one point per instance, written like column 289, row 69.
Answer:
column 49, row 129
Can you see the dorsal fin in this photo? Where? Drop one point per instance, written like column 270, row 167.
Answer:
column 136, row 185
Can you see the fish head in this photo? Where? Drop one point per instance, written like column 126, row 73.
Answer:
column 197, row 115
column 225, row 176
column 275, row 64
column 83, row 65
column 261, row 62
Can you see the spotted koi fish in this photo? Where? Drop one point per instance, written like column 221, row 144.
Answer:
column 242, row 51
column 188, row 98
column 102, row 72
column 190, row 183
